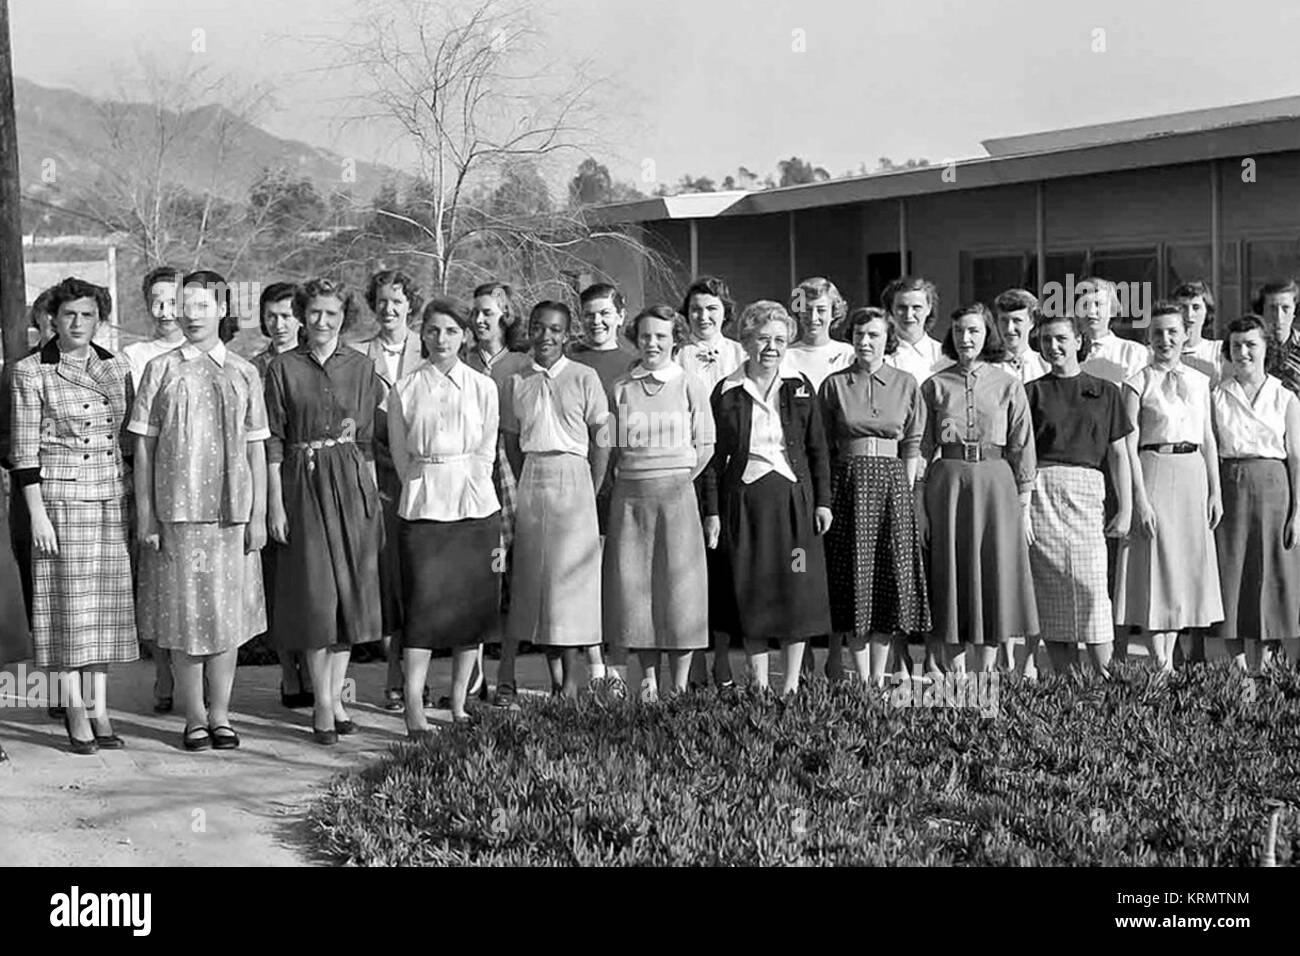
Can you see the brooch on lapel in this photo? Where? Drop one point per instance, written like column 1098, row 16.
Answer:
column 802, row 392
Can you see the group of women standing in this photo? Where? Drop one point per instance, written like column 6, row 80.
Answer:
column 661, row 484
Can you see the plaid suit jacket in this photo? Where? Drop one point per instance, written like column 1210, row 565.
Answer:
column 69, row 425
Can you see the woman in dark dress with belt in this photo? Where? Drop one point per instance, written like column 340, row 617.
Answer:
column 874, row 419
column 323, row 501
column 767, row 500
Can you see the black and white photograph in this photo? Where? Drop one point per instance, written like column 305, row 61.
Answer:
column 692, row 434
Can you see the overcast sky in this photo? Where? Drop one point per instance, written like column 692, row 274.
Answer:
column 703, row 86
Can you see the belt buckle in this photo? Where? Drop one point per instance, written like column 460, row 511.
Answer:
column 970, row 451
column 872, row 448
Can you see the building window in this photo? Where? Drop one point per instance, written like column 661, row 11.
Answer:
column 1187, row 261
column 992, row 275
column 1271, row 259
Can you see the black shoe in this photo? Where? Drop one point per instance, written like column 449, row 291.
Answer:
column 163, row 705
column 4, row 757
column 345, row 728
column 82, row 747
column 56, row 713
column 191, row 739
column 107, row 741
column 505, row 695
column 223, row 737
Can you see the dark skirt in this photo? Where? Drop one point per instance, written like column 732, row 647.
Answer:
column 656, row 592
column 390, row 563
column 327, row 576
column 981, row 591
column 877, row 568
column 450, row 581
column 20, row 539
column 773, row 585
column 15, row 638
column 1259, row 575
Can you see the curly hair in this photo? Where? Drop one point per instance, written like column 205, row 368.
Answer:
column 326, row 288
column 394, row 277
column 681, row 328
column 712, row 285
column 758, row 314
column 865, row 314
column 71, row 289
column 809, row 291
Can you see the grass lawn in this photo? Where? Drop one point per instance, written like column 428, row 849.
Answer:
column 1068, row 772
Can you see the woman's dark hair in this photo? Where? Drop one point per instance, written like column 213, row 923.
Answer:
column 994, row 350
column 275, row 292
column 1241, row 326
column 1162, row 307
column 394, row 277
column 41, row 307
column 458, row 314
column 550, row 305
column 326, row 288
column 712, row 285
column 159, row 274
column 869, row 313
column 912, row 284
column 1274, row 287
column 1076, row 322
column 1197, row 288
column 214, row 282
column 1017, row 300
column 681, row 328
column 602, row 290
column 71, row 289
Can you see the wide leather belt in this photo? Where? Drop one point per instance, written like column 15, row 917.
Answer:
column 1174, row 448
column 970, row 451
column 870, row 447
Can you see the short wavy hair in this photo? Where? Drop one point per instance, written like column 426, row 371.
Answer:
column 394, row 277
column 275, row 292
column 602, row 290
column 1193, row 289
column 809, row 291
column 169, row 274
column 458, row 314
column 716, row 287
column 1240, row 326
column 71, row 289
column 912, row 284
column 866, row 314
column 681, row 328
column 758, row 314
column 1070, row 318
column 326, row 288
column 1274, row 287
column 1016, row 300
column 995, row 349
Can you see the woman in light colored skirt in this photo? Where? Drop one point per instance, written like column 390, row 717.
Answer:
column 1079, row 427
column 656, row 595
column 1167, row 573
column 552, row 413
column 1257, row 425
column 200, row 481
column 70, row 402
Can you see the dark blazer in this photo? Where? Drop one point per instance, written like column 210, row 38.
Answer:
column 805, row 440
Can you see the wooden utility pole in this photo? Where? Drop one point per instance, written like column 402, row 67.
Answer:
column 13, row 285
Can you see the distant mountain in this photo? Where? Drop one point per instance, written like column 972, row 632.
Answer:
column 68, row 128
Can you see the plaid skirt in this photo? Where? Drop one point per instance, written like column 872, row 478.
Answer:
column 873, row 555
column 1171, row 581
column 1259, row 574
column 1068, row 557
column 555, row 580
column 507, row 494
column 83, row 609
column 656, row 588
column 981, row 591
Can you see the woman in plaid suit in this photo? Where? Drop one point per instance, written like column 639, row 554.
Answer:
column 70, row 404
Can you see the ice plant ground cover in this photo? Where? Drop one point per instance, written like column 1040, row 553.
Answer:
column 1139, row 771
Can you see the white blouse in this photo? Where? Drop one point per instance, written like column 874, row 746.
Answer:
column 922, row 359
column 711, row 362
column 1251, row 430
column 1174, row 405
column 1115, row 359
column 766, row 436
column 443, row 433
column 817, row 362
column 1206, row 357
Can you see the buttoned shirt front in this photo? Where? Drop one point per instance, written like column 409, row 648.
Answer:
column 981, row 405
column 766, row 436
column 308, row 401
column 1246, row 429
column 442, row 429
column 885, row 403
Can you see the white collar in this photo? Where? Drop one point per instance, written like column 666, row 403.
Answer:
column 217, row 353
column 666, row 374
column 923, row 343
column 738, row 379
column 456, row 376
column 554, row 371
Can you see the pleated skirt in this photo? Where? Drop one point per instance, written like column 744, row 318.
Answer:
column 873, row 552
column 772, row 584
column 451, row 581
column 555, row 574
column 656, row 591
column 327, row 576
column 83, row 605
column 1171, row 581
column 202, row 594
column 981, row 589
column 1068, row 556
column 1260, row 576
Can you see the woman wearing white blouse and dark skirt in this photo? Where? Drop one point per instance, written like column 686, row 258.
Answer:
column 767, row 500
column 442, row 430
column 1257, row 424
column 1167, row 573
column 977, row 492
